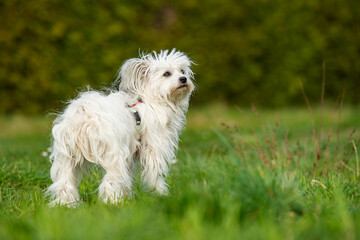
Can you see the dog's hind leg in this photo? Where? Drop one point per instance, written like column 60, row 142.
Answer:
column 66, row 170
column 117, row 181
column 66, row 177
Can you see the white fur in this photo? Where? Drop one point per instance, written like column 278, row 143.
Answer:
column 101, row 129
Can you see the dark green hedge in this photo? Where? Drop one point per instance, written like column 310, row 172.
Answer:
column 246, row 51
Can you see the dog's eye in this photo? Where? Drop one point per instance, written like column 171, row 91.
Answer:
column 182, row 71
column 167, row 74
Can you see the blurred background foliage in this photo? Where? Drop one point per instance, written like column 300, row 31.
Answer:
column 246, row 51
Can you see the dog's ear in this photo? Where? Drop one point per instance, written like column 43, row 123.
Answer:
column 132, row 74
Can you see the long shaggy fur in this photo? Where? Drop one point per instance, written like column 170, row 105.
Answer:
column 101, row 129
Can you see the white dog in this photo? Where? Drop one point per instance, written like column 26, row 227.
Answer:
column 140, row 121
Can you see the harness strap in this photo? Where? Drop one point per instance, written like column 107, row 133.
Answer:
column 135, row 113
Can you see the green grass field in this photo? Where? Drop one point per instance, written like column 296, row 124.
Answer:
column 240, row 174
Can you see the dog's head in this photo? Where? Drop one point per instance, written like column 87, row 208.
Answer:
column 165, row 76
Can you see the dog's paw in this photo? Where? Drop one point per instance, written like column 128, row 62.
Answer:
column 162, row 188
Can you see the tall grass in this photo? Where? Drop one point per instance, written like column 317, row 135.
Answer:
column 252, row 178
column 276, row 146
column 272, row 145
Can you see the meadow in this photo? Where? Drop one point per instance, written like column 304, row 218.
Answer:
column 240, row 174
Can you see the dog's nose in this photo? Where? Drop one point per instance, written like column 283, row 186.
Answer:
column 183, row 79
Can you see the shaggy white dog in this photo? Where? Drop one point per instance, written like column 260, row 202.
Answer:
column 140, row 121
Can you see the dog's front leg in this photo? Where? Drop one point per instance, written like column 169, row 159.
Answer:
column 155, row 169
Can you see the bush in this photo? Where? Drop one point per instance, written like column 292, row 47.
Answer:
column 246, row 51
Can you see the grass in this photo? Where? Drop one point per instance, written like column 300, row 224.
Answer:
column 249, row 174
